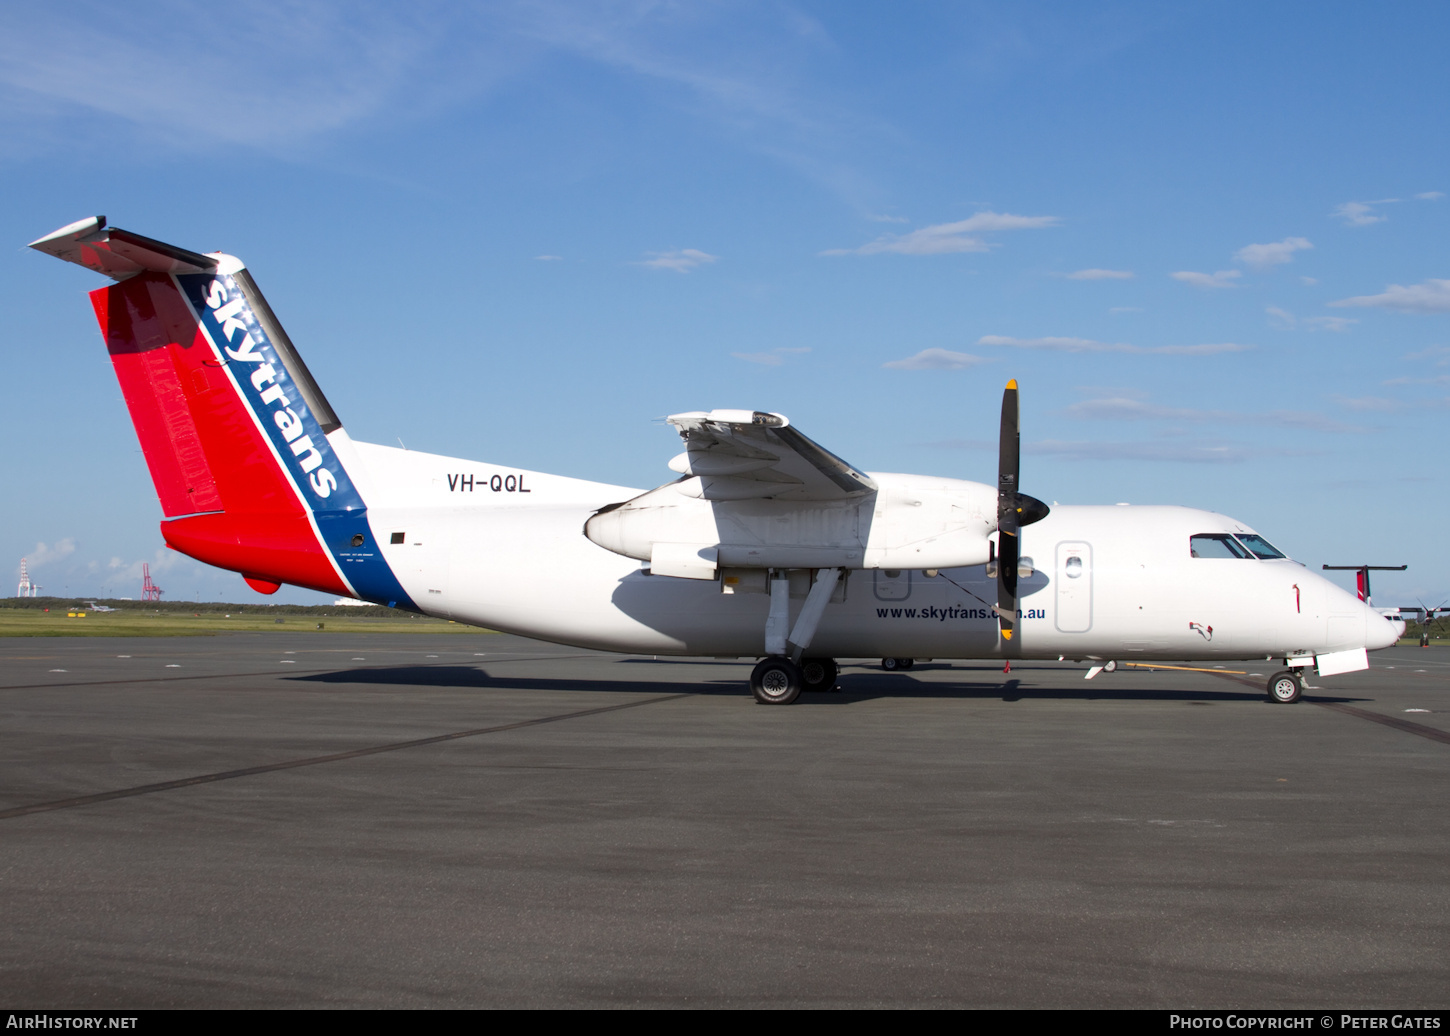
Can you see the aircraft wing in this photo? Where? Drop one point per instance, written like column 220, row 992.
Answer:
column 748, row 454
column 1414, row 613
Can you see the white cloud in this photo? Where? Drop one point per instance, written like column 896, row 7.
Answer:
column 276, row 76
column 1284, row 320
column 1061, row 345
column 1221, row 279
column 948, row 238
column 1361, row 213
column 285, row 75
column 877, row 218
column 1311, row 281
column 1379, row 404
column 937, row 360
column 1376, row 404
column 549, row 258
column 774, row 358
column 1340, row 324
column 681, row 261
column 1441, row 351
column 1169, row 452
column 1124, row 408
column 1430, row 195
column 1101, row 275
column 1088, row 345
column 47, row 554
column 1261, row 257
column 1433, row 296
column 1440, row 379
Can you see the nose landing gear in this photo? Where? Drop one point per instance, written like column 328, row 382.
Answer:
column 1285, row 687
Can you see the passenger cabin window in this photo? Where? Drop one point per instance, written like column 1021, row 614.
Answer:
column 1216, row 545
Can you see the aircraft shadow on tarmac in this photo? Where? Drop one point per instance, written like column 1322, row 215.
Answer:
column 851, row 687
column 468, row 676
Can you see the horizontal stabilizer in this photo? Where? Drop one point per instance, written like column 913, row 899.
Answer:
column 117, row 253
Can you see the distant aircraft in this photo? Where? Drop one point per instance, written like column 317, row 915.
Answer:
column 1424, row 616
column 765, row 546
column 93, row 606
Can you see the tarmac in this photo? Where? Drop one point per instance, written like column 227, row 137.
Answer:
column 407, row 820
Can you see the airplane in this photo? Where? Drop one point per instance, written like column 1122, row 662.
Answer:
column 766, row 545
column 1418, row 613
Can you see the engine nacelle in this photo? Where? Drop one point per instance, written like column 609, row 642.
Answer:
column 908, row 522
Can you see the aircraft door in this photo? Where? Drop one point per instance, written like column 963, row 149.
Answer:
column 1074, row 580
column 424, row 566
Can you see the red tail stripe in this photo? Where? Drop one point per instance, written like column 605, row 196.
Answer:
column 267, row 547
column 143, row 352
column 202, row 443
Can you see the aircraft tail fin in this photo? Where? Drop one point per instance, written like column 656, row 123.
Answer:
column 245, row 452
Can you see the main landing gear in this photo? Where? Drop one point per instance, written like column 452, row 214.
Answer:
column 779, row 678
column 819, row 674
column 779, row 681
column 893, row 664
column 1285, row 687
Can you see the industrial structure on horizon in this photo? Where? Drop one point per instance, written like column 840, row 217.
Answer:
column 27, row 588
column 149, row 590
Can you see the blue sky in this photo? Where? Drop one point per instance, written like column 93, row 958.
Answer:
column 1208, row 239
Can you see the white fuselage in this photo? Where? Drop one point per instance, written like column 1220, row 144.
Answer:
column 505, row 549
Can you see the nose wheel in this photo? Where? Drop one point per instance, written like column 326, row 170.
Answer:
column 1285, row 688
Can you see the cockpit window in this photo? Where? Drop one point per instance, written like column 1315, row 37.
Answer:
column 1216, row 545
column 1261, row 547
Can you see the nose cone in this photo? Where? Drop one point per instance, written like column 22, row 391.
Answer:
column 1380, row 632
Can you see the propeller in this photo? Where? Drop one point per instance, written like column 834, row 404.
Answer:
column 1014, row 510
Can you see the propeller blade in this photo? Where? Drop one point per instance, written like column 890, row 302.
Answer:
column 1014, row 510
column 1009, row 456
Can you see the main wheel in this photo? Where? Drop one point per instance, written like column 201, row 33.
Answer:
column 1285, row 688
column 775, row 681
column 906, row 663
column 819, row 674
column 1110, row 666
column 891, row 664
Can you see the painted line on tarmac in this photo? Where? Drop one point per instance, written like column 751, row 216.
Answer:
column 1389, row 721
column 357, row 753
column 1188, row 668
column 1404, row 725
